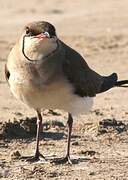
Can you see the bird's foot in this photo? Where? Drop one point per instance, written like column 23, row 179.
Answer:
column 65, row 160
column 34, row 158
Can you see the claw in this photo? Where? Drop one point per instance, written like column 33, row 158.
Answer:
column 32, row 159
column 65, row 160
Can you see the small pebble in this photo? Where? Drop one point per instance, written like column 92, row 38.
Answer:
column 92, row 173
column 75, row 143
column 15, row 155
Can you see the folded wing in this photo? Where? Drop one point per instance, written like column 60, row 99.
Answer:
column 85, row 81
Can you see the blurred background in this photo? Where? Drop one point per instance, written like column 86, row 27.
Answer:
column 74, row 17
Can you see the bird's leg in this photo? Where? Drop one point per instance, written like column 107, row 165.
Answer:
column 39, row 128
column 69, row 122
column 67, row 159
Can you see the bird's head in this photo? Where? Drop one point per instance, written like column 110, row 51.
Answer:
column 40, row 30
column 39, row 39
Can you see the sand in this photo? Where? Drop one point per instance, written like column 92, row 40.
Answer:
column 98, row 30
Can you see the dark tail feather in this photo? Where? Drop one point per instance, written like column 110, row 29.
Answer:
column 109, row 82
column 123, row 83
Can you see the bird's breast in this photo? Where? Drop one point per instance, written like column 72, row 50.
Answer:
column 59, row 94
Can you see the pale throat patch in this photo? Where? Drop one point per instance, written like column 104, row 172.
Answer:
column 36, row 48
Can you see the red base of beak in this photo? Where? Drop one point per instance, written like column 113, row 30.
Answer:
column 41, row 36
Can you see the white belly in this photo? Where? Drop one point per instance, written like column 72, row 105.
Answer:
column 56, row 95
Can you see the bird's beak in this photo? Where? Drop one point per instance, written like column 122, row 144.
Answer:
column 42, row 36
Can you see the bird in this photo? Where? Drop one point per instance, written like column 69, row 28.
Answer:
column 45, row 73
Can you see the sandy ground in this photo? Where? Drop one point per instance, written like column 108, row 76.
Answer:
column 99, row 31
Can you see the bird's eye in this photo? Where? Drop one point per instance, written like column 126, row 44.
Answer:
column 27, row 30
column 46, row 33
